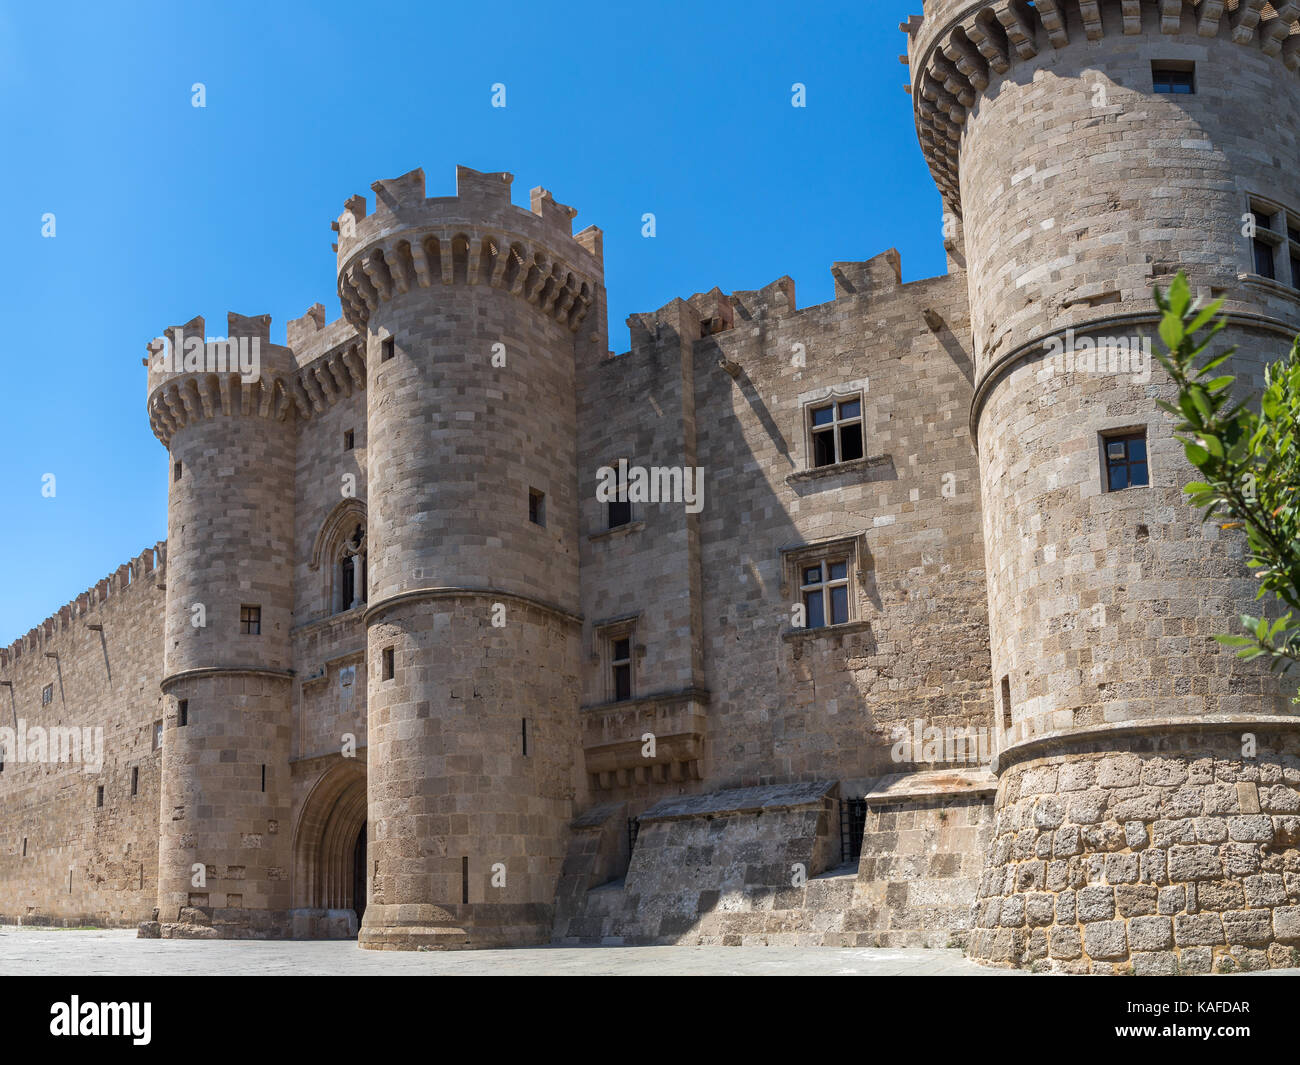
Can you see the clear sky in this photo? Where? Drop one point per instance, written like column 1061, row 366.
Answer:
column 164, row 211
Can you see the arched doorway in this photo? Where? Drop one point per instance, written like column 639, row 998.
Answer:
column 329, row 867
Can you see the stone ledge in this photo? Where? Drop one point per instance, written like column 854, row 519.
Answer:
column 947, row 783
column 868, row 464
column 739, row 801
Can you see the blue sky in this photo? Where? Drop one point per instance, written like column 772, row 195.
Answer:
column 164, row 211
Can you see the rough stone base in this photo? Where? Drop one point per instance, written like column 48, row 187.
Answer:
column 467, row 927
column 1176, row 856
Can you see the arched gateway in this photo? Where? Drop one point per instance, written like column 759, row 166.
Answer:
column 329, row 856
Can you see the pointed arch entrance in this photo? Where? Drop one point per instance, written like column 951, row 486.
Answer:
column 329, row 864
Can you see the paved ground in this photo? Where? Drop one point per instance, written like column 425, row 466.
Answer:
column 75, row 952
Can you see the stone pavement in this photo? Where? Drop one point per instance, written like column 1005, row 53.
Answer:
column 116, row 952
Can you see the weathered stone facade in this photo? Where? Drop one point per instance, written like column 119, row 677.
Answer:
column 419, row 682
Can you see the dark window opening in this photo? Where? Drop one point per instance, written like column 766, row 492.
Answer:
column 837, row 432
column 853, row 825
column 387, row 348
column 525, row 736
column 47, row 695
column 1006, row 702
column 264, row 778
column 250, row 620
column 620, row 660
column 99, row 796
column 183, row 712
column 620, row 507
column 349, row 439
column 135, row 781
column 1126, row 461
column 1176, row 78
column 633, row 830
column 536, row 507
column 176, row 472
column 1264, row 259
column 1295, row 272
column 24, row 846
column 386, row 668
column 464, row 880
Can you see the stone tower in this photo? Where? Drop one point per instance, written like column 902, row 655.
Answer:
column 1087, row 150
column 225, row 805
column 476, row 316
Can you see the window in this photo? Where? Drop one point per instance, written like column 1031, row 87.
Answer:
column 386, row 666
column 1275, row 243
column 1178, row 78
column 1126, row 460
column 349, row 439
column 352, row 572
column 1006, row 702
column 836, row 431
column 177, row 470
column 824, row 590
column 99, row 796
column 525, row 735
column 617, row 642
column 157, row 735
column 620, row 507
column 47, row 695
column 853, row 826
column 536, row 507
column 135, row 781
column 264, row 776
column 182, row 712
column 250, row 620
column 387, row 349
column 1264, row 243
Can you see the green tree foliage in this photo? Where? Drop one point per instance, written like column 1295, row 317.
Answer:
column 1249, row 462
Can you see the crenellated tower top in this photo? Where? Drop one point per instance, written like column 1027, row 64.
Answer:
column 958, row 46
column 477, row 237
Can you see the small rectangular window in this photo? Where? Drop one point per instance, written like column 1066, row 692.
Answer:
column 1126, row 460
column 836, row 432
column 387, row 348
column 824, row 588
column 386, row 667
column 135, row 781
column 264, row 778
column 250, row 620
column 157, row 735
column 464, row 880
column 177, row 470
column 182, row 712
column 349, row 439
column 99, row 796
column 525, row 736
column 1006, row 702
column 24, row 846
column 536, row 507
column 1178, row 78
column 47, row 695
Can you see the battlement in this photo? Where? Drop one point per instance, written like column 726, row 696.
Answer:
column 477, row 237
column 958, row 46
column 152, row 560
column 193, row 375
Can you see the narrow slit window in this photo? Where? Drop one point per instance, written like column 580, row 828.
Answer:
column 387, row 349
column 250, row 620
column 524, row 727
column 135, row 781
column 620, row 661
column 464, row 879
column 157, row 735
column 99, row 796
column 349, row 439
column 182, row 712
column 1006, row 702
column 177, row 470
column 620, row 507
column 537, row 507
column 386, row 665
column 264, row 778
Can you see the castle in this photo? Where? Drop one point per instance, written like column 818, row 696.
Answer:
column 878, row 622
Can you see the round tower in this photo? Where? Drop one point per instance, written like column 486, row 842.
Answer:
column 223, row 407
column 473, row 311
column 1088, row 150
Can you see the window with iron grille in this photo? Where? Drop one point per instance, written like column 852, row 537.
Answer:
column 853, row 823
column 47, row 695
